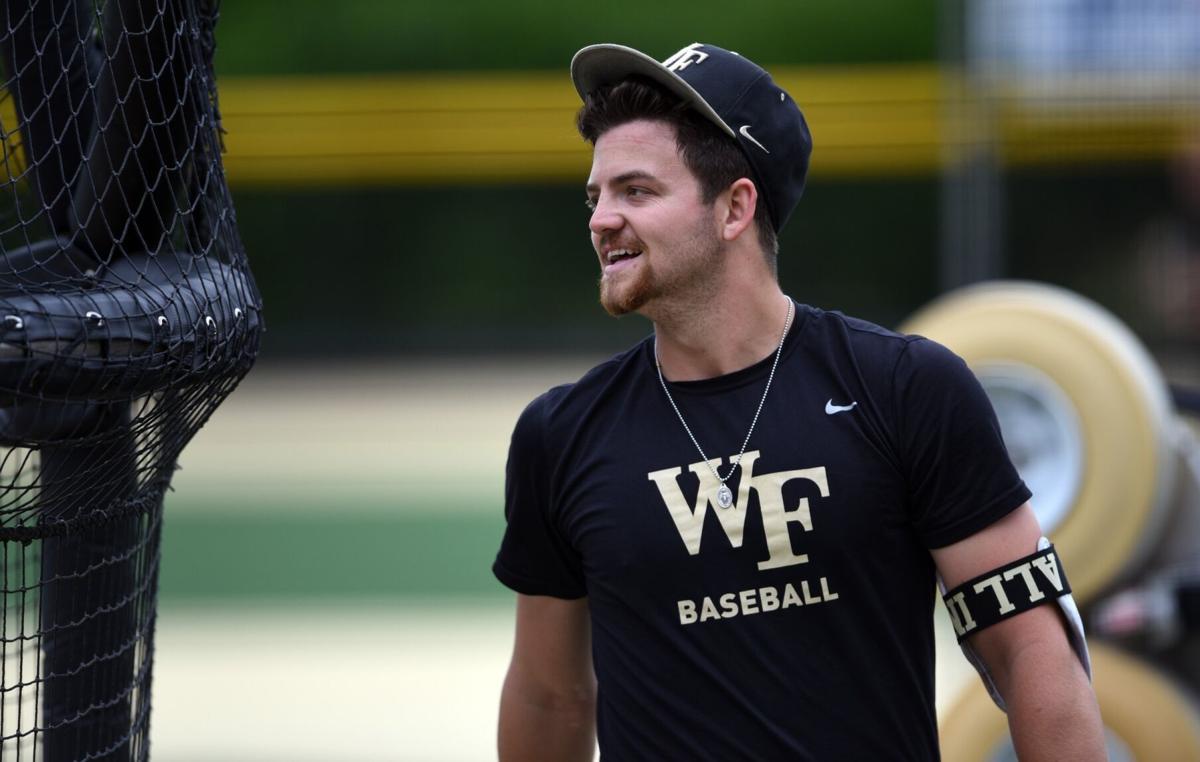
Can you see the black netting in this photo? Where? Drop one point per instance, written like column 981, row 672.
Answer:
column 127, row 313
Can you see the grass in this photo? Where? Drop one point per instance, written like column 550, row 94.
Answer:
column 356, row 554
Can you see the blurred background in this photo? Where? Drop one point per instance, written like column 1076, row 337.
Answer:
column 408, row 185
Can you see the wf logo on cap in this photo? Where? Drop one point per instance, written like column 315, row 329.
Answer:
column 686, row 57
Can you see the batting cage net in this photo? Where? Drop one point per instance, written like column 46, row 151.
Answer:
column 127, row 313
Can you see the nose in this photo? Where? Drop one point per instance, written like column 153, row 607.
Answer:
column 604, row 218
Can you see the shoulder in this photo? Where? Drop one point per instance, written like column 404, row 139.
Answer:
column 831, row 324
column 874, row 345
column 924, row 361
column 869, row 348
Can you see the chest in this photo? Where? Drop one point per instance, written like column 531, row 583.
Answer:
column 816, row 488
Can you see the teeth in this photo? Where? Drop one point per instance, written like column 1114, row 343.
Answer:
column 616, row 254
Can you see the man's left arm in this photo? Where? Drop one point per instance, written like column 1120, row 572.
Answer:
column 1052, row 710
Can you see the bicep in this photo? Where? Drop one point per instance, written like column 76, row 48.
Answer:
column 552, row 647
column 547, row 706
column 1012, row 537
column 1007, row 539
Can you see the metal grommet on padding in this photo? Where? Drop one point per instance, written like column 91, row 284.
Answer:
column 1146, row 716
column 1085, row 413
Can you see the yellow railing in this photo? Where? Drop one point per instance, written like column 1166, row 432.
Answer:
column 447, row 128
column 518, row 127
column 866, row 120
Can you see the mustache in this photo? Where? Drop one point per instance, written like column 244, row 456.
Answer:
column 617, row 242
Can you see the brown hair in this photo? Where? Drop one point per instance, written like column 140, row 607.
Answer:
column 712, row 156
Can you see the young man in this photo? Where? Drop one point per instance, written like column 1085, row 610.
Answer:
column 737, row 524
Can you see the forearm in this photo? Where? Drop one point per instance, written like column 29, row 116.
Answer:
column 1052, row 710
column 551, row 726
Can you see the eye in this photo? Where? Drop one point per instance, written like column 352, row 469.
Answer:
column 590, row 203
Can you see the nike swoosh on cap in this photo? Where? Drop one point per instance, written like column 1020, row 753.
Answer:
column 745, row 131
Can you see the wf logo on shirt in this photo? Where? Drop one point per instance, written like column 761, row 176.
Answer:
column 689, row 520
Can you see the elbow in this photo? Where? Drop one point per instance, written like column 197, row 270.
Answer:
column 547, row 722
column 565, row 699
column 577, row 700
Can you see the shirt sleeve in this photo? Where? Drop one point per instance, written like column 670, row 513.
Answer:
column 959, row 474
column 534, row 557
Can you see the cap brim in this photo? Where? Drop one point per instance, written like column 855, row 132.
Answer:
column 598, row 65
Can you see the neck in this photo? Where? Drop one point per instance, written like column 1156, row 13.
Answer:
column 734, row 329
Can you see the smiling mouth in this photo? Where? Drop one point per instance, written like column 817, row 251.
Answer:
column 617, row 257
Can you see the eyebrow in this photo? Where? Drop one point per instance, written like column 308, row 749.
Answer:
column 637, row 174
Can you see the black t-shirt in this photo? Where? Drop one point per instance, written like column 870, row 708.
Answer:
column 797, row 623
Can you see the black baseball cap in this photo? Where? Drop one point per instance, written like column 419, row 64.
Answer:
column 734, row 93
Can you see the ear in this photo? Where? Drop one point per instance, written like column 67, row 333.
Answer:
column 736, row 208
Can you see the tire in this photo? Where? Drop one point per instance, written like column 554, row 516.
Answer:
column 1094, row 390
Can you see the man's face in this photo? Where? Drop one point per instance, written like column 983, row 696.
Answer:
column 653, row 233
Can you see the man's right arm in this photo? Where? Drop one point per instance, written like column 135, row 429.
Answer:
column 548, row 704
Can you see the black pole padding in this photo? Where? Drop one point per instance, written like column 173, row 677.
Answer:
column 95, row 608
column 29, row 421
column 149, row 323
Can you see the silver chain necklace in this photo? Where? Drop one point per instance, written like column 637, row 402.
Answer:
column 724, row 494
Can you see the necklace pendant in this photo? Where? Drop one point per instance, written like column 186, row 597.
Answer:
column 724, row 496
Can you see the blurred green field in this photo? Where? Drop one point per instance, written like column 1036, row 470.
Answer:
column 344, row 554
column 350, row 481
